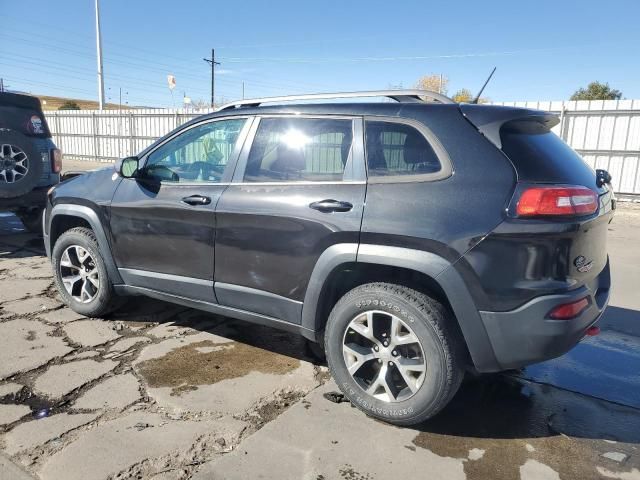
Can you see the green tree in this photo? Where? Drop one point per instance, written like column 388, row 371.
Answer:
column 462, row 95
column 597, row 91
column 69, row 105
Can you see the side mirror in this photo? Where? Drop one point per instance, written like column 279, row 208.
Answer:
column 127, row 167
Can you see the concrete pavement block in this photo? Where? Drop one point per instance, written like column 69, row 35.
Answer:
column 14, row 289
column 26, row 344
column 59, row 380
column 12, row 413
column 38, row 432
column 116, row 445
column 90, row 333
column 113, row 393
column 62, row 315
column 31, row 305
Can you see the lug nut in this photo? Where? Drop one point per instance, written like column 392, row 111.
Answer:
column 386, row 344
column 394, row 353
column 391, row 364
column 375, row 348
column 379, row 360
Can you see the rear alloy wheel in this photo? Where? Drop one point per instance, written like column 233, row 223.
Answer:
column 21, row 164
column 391, row 369
column 14, row 163
column 81, row 275
column 395, row 353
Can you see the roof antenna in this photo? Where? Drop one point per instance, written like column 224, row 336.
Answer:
column 475, row 100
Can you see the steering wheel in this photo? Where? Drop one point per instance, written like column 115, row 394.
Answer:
column 205, row 169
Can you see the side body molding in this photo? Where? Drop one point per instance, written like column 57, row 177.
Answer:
column 91, row 217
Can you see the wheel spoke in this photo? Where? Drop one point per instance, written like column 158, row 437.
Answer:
column 65, row 261
column 85, row 292
column 93, row 278
column 408, row 367
column 380, row 388
column 70, row 281
column 400, row 335
column 363, row 325
column 356, row 356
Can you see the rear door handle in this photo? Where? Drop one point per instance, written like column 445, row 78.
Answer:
column 196, row 200
column 330, row 205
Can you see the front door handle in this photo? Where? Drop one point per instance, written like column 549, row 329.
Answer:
column 330, row 205
column 196, row 200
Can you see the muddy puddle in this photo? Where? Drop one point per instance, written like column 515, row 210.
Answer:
column 508, row 422
column 206, row 363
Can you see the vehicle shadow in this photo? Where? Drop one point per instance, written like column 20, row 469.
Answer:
column 16, row 242
column 502, row 406
column 142, row 310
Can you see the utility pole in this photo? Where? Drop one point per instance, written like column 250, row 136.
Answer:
column 99, row 51
column 1, row 84
column 243, row 90
column 213, row 63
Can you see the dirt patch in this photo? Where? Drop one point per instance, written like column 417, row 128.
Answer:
column 206, row 363
column 502, row 459
column 270, row 410
column 348, row 473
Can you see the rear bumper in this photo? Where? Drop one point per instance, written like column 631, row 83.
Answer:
column 525, row 335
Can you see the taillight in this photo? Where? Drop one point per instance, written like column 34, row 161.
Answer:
column 567, row 311
column 56, row 160
column 567, row 201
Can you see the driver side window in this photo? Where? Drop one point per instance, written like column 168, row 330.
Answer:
column 199, row 154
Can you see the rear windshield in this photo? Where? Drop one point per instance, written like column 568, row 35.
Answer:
column 539, row 155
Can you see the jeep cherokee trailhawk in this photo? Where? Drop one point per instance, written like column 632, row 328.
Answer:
column 413, row 239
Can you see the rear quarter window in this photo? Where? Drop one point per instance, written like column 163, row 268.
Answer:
column 400, row 152
column 539, row 155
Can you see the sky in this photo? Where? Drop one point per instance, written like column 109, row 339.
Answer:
column 543, row 50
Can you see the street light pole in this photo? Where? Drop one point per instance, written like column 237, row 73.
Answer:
column 99, row 51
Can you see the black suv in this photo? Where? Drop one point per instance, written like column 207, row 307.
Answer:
column 30, row 163
column 413, row 239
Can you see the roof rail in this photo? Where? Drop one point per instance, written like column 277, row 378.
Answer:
column 406, row 96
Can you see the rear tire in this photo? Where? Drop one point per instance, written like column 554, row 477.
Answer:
column 405, row 341
column 20, row 164
column 81, row 275
column 32, row 219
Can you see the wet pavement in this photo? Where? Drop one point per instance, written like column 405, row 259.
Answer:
column 164, row 392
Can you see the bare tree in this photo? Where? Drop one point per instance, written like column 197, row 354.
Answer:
column 434, row 83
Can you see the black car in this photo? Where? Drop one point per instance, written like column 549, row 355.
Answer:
column 30, row 163
column 414, row 240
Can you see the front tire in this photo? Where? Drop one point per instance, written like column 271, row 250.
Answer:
column 81, row 275
column 394, row 352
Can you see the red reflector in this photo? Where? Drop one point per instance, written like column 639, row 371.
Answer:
column 593, row 331
column 56, row 160
column 567, row 311
column 572, row 200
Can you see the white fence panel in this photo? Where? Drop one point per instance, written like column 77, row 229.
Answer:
column 606, row 133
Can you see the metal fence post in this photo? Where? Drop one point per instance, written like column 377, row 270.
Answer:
column 131, row 134
column 96, row 151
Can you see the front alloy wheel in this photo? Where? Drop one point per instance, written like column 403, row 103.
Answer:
column 79, row 274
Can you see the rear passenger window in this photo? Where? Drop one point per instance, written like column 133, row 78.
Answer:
column 398, row 149
column 299, row 149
